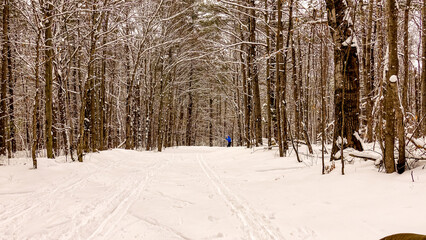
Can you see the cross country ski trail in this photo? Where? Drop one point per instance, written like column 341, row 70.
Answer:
column 42, row 199
column 87, row 218
column 255, row 224
column 109, row 224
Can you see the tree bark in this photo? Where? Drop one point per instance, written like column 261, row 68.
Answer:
column 284, row 77
column 36, row 103
column 268, row 78
column 129, row 97
column 86, row 120
column 189, row 115
column 102, row 116
column 279, row 76
column 323, row 106
column 390, row 91
column 255, row 76
column 245, row 91
column 346, row 78
column 62, row 111
column 369, row 81
column 296, row 91
column 12, row 128
column 48, row 74
column 423, row 81
column 160, row 129
column 406, row 56
column 4, row 135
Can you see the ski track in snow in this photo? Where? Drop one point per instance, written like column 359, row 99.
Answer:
column 91, row 220
column 163, row 228
column 38, row 199
column 255, row 225
column 113, row 219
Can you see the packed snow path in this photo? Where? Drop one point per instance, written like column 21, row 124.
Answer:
column 205, row 193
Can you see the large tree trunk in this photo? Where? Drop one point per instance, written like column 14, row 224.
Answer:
column 103, row 104
column 48, row 75
column 402, row 104
column 86, row 119
column 346, row 78
column 4, row 136
column 380, row 67
column 284, row 77
column 390, row 91
column 245, row 93
column 369, row 80
column 255, row 76
column 307, row 86
column 279, row 76
column 268, row 79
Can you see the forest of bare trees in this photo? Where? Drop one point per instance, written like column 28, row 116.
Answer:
column 81, row 76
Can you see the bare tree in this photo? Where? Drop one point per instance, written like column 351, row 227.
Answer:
column 346, row 77
column 390, row 90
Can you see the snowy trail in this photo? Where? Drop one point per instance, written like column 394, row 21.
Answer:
column 111, row 221
column 185, row 201
column 191, row 193
column 82, row 214
column 256, row 225
column 40, row 201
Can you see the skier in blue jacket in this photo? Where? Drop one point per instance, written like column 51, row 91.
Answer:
column 229, row 141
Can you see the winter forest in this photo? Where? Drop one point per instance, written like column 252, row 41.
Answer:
column 84, row 76
column 114, row 115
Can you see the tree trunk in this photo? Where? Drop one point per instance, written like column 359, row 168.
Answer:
column 255, row 76
column 279, row 76
column 160, row 130
column 406, row 56
column 369, row 81
column 12, row 129
column 268, row 78
column 4, row 135
column 380, row 76
column 284, row 76
column 296, row 91
column 102, row 116
column 48, row 75
column 62, row 109
column 307, row 85
column 36, row 103
column 323, row 106
column 423, row 79
column 346, row 77
column 245, row 92
column 189, row 116
column 390, row 91
column 402, row 104
column 129, row 88
column 86, row 119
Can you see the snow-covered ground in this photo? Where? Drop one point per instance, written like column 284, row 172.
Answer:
column 207, row 193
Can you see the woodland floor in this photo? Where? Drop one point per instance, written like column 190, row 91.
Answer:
column 207, row 193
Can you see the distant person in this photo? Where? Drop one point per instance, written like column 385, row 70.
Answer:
column 229, row 141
